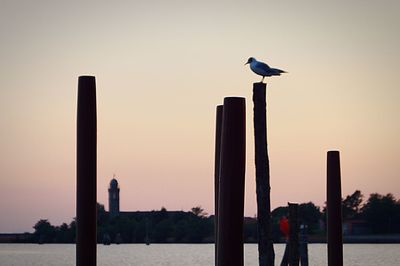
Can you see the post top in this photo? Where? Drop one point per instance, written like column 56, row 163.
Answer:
column 234, row 101
column 86, row 77
column 259, row 84
column 233, row 98
column 87, row 82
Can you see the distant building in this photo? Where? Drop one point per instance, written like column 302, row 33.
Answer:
column 114, row 210
column 16, row 238
column 355, row 227
column 113, row 198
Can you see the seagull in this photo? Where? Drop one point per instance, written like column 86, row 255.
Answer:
column 263, row 69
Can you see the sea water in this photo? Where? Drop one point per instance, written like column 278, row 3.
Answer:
column 185, row 254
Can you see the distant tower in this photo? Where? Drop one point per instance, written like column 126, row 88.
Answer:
column 113, row 198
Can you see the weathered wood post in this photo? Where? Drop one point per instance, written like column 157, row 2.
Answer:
column 294, row 256
column 266, row 255
column 218, row 129
column 86, row 173
column 334, row 210
column 231, row 183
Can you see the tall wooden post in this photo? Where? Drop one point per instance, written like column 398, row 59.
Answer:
column 266, row 255
column 294, row 256
column 86, row 173
column 218, row 129
column 334, row 210
column 231, row 183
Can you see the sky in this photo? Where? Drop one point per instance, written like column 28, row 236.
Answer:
column 161, row 69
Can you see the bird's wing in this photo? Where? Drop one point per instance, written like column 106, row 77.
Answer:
column 262, row 65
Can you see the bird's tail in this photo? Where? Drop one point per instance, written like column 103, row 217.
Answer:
column 277, row 71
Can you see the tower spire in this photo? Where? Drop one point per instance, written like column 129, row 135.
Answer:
column 113, row 198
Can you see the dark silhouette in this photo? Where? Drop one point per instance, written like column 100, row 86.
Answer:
column 310, row 215
column 351, row 205
column 294, row 255
column 382, row 213
column 296, row 237
column 231, row 183
column 284, row 229
column 86, row 172
column 334, row 210
column 266, row 255
column 303, row 244
column 198, row 211
column 218, row 131
column 290, row 229
column 113, row 198
column 263, row 69
column 44, row 231
column 379, row 212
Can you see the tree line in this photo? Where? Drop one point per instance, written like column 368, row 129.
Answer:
column 380, row 213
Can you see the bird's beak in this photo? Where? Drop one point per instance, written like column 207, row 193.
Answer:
column 246, row 63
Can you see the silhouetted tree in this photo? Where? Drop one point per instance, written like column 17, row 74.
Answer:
column 62, row 234
column 382, row 213
column 278, row 212
column 351, row 205
column 198, row 211
column 310, row 214
column 72, row 231
column 44, row 231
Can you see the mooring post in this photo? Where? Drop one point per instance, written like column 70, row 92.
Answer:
column 231, row 183
column 294, row 256
column 266, row 255
column 218, row 129
column 334, row 210
column 303, row 248
column 86, row 173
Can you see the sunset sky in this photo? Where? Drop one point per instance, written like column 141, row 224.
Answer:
column 161, row 69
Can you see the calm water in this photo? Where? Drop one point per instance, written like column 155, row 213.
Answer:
column 184, row 254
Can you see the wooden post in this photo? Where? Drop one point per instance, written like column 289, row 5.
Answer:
column 294, row 256
column 303, row 242
column 334, row 210
column 231, row 183
column 86, row 173
column 266, row 255
column 218, row 129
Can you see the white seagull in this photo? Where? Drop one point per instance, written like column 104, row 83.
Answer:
column 263, row 69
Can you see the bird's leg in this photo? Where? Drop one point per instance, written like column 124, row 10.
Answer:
column 262, row 79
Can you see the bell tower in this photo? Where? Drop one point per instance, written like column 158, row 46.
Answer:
column 113, row 198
